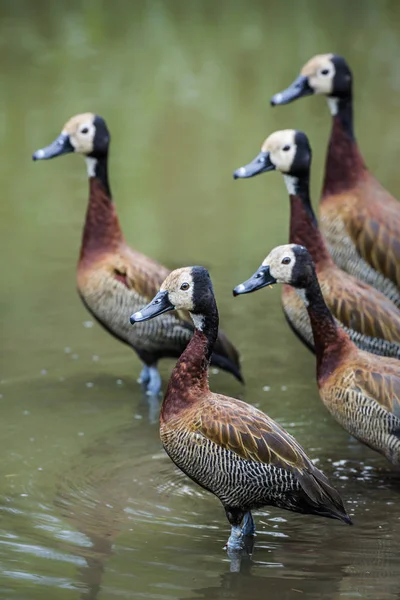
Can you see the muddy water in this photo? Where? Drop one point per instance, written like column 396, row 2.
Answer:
column 91, row 506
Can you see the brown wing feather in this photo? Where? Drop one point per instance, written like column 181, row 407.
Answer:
column 379, row 378
column 241, row 428
column 376, row 232
column 359, row 306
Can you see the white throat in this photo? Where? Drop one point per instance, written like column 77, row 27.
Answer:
column 301, row 292
column 333, row 104
column 91, row 164
column 198, row 321
column 291, row 184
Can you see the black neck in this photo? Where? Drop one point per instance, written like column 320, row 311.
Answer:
column 210, row 329
column 345, row 115
column 101, row 172
column 302, row 190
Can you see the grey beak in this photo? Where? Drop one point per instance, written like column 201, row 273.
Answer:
column 159, row 305
column 260, row 164
column 299, row 88
column 261, row 278
column 61, row 145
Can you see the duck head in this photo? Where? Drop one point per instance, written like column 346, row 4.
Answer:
column 290, row 263
column 85, row 134
column 326, row 74
column 188, row 288
column 287, row 151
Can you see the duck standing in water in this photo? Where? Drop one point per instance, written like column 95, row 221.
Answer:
column 360, row 390
column 359, row 218
column 368, row 316
column 113, row 278
column 227, row 446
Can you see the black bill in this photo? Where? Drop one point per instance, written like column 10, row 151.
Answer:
column 260, row 164
column 159, row 305
column 299, row 88
column 61, row 145
column 261, row 278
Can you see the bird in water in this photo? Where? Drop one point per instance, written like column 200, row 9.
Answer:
column 228, row 447
column 114, row 279
column 368, row 316
column 360, row 390
column 359, row 218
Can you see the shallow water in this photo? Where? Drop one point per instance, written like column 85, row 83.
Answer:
column 91, row 506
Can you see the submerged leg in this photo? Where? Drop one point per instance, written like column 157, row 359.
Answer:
column 235, row 541
column 154, row 384
column 248, row 527
column 144, row 376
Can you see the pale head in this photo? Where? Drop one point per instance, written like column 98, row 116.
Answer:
column 287, row 151
column 188, row 288
column 326, row 74
column 81, row 131
column 291, row 264
column 85, row 134
column 180, row 288
column 320, row 73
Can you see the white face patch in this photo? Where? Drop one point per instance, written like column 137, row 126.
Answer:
column 281, row 261
column 198, row 321
column 91, row 164
column 302, row 294
column 291, row 184
column 282, row 149
column 333, row 104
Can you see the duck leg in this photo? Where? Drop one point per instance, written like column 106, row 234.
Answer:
column 144, row 376
column 235, row 517
column 150, row 378
column 154, row 383
column 249, row 527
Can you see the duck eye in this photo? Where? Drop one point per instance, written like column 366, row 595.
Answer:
column 286, row 148
column 325, row 72
column 286, row 260
column 185, row 286
column 85, row 130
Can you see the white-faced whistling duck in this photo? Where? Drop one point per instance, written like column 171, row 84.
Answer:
column 370, row 318
column 113, row 279
column 359, row 218
column 227, row 446
column 360, row 390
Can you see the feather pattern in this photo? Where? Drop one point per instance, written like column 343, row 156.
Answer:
column 231, row 448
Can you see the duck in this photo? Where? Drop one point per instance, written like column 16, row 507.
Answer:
column 371, row 320
column 359, row 389
column 359, row 218
column 225, row 445
column 112, row 278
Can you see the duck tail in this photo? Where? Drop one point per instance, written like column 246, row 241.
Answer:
column 226, row 364
column 322, row 497
column 226, row 357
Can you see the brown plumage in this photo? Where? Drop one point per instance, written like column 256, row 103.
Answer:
column 227, row 446
column 113, row 278
column 359, row 218
column 370, row 318
column 360, row 390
